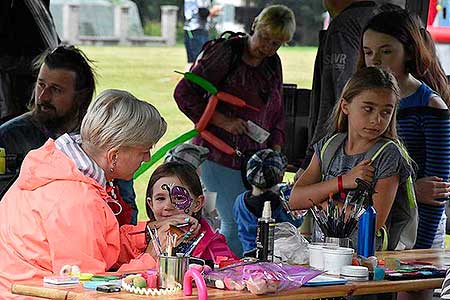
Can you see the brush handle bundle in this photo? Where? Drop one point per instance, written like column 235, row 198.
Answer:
column 341, row 222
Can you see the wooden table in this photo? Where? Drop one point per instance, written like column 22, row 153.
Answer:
column 439, row 257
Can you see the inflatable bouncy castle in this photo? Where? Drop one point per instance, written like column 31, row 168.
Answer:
column 438, row 23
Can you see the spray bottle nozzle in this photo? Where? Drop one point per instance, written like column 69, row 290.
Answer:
column 267, row 210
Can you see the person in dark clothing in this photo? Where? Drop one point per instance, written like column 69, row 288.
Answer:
column 264, row 172
column 336, row 61
column 197, row 14
column 26, row 30
column 63, row 91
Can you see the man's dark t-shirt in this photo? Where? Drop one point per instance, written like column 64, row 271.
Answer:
column 335, row 63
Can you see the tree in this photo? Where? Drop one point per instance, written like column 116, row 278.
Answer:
column 150, row 10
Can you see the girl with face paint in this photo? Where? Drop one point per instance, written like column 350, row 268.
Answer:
column 174, row 205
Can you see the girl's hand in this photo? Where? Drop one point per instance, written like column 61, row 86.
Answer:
column 363, row 171
column 430, row 188
column 164, row 226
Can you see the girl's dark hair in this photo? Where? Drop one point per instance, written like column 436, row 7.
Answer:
column 187, row 175
column 418, row 44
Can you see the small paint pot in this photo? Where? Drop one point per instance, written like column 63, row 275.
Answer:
column 355, row 273
column 316, row 255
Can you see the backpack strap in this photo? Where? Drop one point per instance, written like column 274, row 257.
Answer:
column 328, row 151
column 411, row 194
column 377, row 149
column 383, row 234
column 330, row 147
column 225, row 36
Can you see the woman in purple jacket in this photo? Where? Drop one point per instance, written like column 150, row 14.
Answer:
column 249, row 68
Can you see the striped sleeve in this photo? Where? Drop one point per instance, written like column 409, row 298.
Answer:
column 445, row 290
column 437, row 143
column 436, row 126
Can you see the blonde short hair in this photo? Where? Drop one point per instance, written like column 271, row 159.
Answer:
column 279, row 20
column 118, row 119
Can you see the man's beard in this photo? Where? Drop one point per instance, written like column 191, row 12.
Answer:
column 56, row 123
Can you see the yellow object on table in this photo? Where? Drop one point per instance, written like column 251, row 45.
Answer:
column 85, row 276
column 2, row 161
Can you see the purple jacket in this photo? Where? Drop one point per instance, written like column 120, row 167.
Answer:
column 260, row 86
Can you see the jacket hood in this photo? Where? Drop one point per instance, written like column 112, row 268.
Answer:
column 48, row 164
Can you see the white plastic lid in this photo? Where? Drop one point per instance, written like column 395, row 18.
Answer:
column 338, row 250
column 321, row 245
column 355, row 271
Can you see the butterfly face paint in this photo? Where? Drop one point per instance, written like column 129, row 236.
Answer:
column 179, row 196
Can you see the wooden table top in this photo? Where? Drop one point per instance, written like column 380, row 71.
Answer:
column 438, row 257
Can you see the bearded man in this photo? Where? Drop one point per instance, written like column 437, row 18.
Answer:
column 62, row 94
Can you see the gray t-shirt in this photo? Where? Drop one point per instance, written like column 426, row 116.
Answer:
column 390, row 162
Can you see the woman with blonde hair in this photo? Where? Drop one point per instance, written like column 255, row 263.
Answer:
column 58, row 211
column 247, row 67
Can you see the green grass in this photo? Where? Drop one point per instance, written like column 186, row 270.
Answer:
column 147, row 72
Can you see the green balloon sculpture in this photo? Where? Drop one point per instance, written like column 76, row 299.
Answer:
column 163, row 150
column 200, row 126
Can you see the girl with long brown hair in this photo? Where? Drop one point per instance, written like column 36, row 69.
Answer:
column 398, row 42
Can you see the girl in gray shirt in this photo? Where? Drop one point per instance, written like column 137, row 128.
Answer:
column 364, row 115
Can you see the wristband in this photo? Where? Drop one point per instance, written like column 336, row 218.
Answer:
column 341, row 187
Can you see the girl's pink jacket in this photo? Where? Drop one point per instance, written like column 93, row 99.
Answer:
column 132, row 256
column 54, row 215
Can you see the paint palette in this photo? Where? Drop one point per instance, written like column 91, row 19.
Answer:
column 61, row 280
column 422, row 272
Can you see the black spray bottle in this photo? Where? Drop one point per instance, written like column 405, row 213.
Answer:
column 265, row 234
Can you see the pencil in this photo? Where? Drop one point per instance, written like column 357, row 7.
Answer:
column 194, row 244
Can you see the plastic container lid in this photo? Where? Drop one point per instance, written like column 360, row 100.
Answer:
column 338, row 250
column 321, row 245
column 355, row 271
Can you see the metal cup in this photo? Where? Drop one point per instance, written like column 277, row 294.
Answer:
column 340, row 242
column 171, row 270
